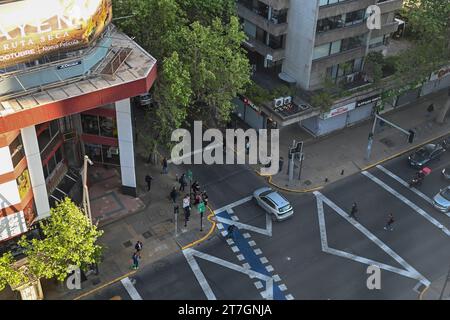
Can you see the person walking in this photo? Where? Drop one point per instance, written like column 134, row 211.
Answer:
column 148, row 180
column 174, row 195
column 389, row 223
column 138, row 246
column 165, row 166
column 182, row 182
column 186, row 208
column 353, row 211
column 201, row 209
column 230, row 230
column 136, row 257
column 205, row 198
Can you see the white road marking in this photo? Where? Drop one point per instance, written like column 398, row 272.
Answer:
column 258, row 285
column 282, row 287
column 252, row 243
column 131, row 289
column 224, row 233
column 276, row 278
column 269, row 268
column 257, row 251
column 235, row 249
column 408, row 202
column 191, row 253
column 219, row 226
column 406, row 184
column 230, row 241
column 246, row 266
column 289, row 297
column 263, row 260
column 244, row 226
column 246, row 235
column 234, row 204
column 234, row 218
column 240, row 257
column 409, row 271
column 188, row 254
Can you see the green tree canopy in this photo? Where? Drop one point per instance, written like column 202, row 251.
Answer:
column 69, row 239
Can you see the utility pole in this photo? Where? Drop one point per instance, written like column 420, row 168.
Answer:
column 86, row 202
column 291, row 162
column 175, row 213
column 409, row 133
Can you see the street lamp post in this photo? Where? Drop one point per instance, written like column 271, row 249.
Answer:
column 86, row 202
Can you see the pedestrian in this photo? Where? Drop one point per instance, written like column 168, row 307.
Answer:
column 230, row 230
column 182, row 182
column 165, row 166
column 136, row 257
column 353, row 211
column 174, row 195
column 186, row 208
column 201, row 209
column 205, row 198
column 389, row 223
column 247, row 146
column 138, row 246
column 148, row 180
column 195, row 187
column 430, row 108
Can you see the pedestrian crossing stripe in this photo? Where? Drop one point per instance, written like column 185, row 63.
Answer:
column 408, row 270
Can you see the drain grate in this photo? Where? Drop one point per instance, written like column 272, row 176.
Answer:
column 307, row 183
column 127, row 244
column 147, row 234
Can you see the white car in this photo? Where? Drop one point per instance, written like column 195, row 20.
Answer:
column 274, row 203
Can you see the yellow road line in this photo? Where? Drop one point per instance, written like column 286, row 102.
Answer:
column 211, row 230
column 105, row 285
column 423, row 292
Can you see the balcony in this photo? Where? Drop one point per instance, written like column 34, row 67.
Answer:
column 271, row 27
column 343, row 7
column 264, row 50
column 390, row 5
column 277, row 4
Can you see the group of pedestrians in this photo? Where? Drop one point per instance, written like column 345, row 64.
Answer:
column 389, row 224
column 136, row 255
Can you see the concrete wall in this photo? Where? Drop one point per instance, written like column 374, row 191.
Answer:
column 302, row 20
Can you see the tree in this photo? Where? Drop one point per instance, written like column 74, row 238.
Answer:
column 69, row 240
column 9, row 274
column 205, row 11
column 218, row 67
column 373, row 66
column 322, row 100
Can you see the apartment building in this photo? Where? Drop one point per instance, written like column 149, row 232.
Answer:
column 303, row 42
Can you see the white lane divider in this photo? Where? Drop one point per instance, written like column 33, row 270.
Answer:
column 409, row 271
column 407, row 202
column 131, row 289
column 406, row 184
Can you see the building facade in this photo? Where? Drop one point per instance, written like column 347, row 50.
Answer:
column 56, row 108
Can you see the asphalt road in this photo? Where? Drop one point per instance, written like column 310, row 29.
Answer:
column 316, row 254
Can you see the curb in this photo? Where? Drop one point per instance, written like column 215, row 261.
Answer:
column 423, row 292
column 104, row 285
column 205, row 237
column 269, row 178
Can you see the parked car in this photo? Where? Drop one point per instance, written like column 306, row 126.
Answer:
column 441, row 201
column 273, row 203
column 425, row 154
column 446, row 173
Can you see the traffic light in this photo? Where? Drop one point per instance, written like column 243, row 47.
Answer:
column 411, row 136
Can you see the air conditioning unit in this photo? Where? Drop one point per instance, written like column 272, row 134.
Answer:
column 287, row 100
column 278, row 102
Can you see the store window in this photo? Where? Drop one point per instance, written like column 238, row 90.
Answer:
column 99, row 125
column 23, row 183
column 16, row 150
column 103, row 153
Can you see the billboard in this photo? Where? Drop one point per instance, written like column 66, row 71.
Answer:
column 30, row 29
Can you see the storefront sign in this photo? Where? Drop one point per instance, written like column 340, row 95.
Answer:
column 247, row 102
column 338, row 111
column 30, row 29
column 440, row 74
column 68, row 65
column 368, row 100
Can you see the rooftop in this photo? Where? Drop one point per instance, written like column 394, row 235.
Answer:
column 127, row 70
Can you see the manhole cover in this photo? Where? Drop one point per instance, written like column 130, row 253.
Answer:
column 307, row 182
column 127, row 244
column 387, row 142
column 147, row 234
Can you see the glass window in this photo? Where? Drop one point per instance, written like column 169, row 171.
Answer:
column 321, row 51
column 51, row 165
column 94, row 152
column 16, row 150
column 58, row 155
column 54, row 128
column 335, row 47
column 108, row 127
column 90, row 124
column 111, row 155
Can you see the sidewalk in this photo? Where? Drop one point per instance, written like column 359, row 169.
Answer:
column 341, row 154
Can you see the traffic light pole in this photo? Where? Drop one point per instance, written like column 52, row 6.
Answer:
column 409, row 133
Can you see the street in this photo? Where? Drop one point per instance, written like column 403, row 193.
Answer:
column 319, row 253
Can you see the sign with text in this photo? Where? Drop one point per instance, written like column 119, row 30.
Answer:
column 368, row 100
column 30, row 29
column 12, row 225
column 338, row 111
